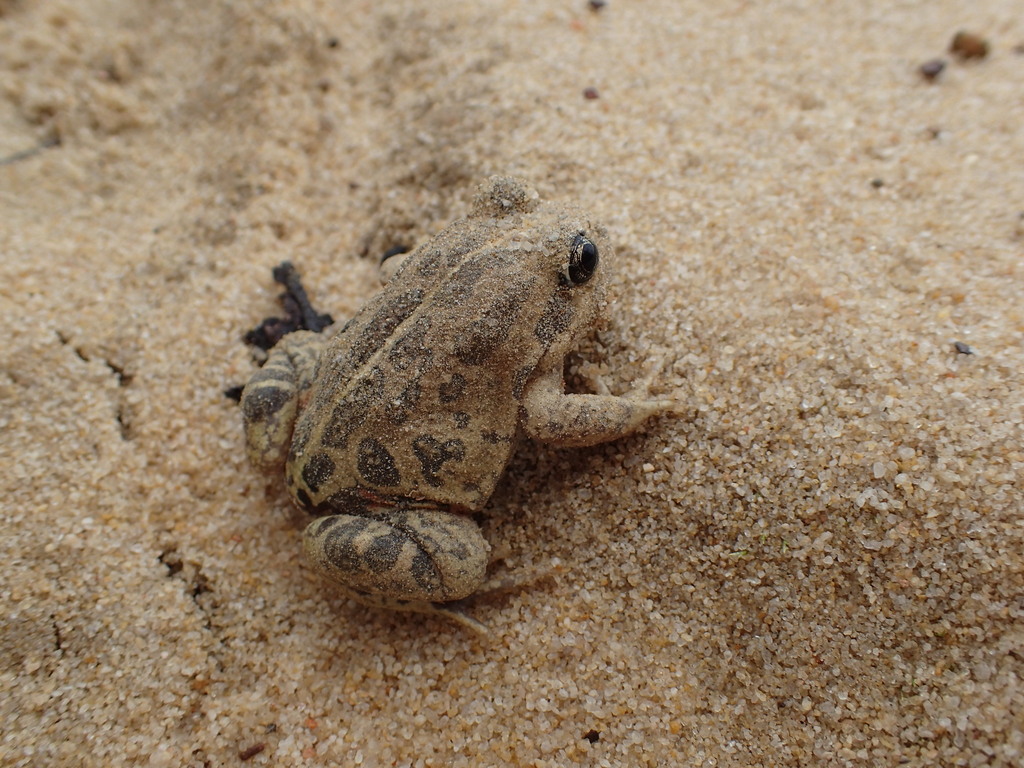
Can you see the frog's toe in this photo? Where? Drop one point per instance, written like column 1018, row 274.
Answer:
column 640, row 393
column 646, row 407
column 522, row 577
column 414, row 555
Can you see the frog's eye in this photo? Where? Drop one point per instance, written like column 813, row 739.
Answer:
column 582, row 260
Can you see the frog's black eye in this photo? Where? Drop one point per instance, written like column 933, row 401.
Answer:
column 582, row 260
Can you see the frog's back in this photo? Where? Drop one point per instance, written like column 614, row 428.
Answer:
column 419, row 395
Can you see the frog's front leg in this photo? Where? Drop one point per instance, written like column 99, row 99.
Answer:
column 270, row 400
column 552, row 416
column 406, row 558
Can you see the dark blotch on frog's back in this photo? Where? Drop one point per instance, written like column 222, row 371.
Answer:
column 401, row 407
column 451, row 390
column 317, row 471
column 484, row 336
column 376, row 465
column 493, row 438
column 433, row 454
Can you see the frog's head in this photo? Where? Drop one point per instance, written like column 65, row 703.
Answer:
column 554, row 257
column 555, row 243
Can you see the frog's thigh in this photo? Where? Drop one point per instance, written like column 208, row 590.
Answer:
column 270, row 398
column 408, row 555
column 575, row 420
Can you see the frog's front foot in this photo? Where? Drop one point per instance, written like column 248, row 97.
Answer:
column 400, row 558
column 640, row 392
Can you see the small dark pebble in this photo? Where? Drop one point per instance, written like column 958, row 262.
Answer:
column 932, row 68
column 877, row 183
column 250, row 752
column 234, row 393
column 1018, row 49
column 968, row 45
column 333, row 42
column 597, row 5
column 962, row 348
column 592, row 736
column 270, row 728
column 590, row 92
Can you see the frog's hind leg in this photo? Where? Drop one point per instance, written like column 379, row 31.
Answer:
column 401, row 558
column 270, row 401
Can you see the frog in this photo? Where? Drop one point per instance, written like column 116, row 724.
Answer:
column 394, row 431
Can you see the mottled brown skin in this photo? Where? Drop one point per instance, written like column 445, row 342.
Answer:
column 408, row 416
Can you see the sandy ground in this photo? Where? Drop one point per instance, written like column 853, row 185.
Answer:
column 818, row 564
